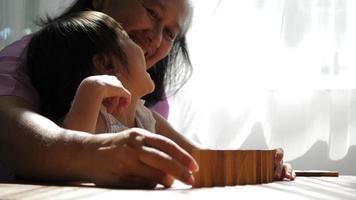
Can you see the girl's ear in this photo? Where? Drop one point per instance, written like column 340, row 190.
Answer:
column 98, row 5
column 103, row 64
column 99, row 64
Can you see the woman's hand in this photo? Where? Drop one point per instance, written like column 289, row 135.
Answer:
column 135, row 158
column 282, row 171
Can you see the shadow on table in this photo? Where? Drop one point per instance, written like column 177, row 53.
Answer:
column 315, row 188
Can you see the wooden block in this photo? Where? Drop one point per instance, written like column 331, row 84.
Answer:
column 196, row 155
column 214, row 165
column 230, row 173
column 251, row 172
column 233, row 167
column 206, row 159
column 240, row 168
column 268, row 167
column 258, row 167
column 316, row 173
column 220, row 169
column 264, row 167
column 271, row 164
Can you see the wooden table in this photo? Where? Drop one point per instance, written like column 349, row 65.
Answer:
column 343, row 187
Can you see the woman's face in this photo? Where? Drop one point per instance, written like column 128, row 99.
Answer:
column 152, row 24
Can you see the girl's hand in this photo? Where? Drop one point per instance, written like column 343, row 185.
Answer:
column 91, row 94
column 283, row 171
column 115, row 96
column 116, row 104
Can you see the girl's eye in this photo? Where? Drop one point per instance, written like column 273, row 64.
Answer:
column 170, row 35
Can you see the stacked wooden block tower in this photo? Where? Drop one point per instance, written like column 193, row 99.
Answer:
column 233, row 167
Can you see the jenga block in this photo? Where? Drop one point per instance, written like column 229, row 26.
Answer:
column 214, row 165
column 239, row 167
column 266, row 167
column 251, row 171
column 196, row 156
column 220, row 169
column 258, row 166
column 230, row 173
column 206, row 159
column 239, row 162
column 316, row 173
column 263, row 167
column 233, row 167
column 271, row 164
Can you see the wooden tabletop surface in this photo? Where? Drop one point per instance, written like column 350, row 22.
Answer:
column 343, row 187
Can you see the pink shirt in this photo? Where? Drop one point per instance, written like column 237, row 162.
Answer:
column 13, row 79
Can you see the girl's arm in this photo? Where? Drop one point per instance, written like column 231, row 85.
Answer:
column 91, row 93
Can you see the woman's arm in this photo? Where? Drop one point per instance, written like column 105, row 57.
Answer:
column 164, row 128
column 283, row 171
column 84, row 112
column 33, row 147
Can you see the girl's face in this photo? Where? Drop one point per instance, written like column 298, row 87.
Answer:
column 152, row 24
column 135, row 78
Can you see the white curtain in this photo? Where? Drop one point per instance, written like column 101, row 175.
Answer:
column 17, row 17
column 273, row 73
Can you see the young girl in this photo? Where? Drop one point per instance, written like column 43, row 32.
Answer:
column 84, row 60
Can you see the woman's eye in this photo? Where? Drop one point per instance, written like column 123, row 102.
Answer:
column 170, row 35
column 152, row 13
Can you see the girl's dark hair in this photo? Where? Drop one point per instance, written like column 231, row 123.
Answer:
column 170, row 73
column 60, row 56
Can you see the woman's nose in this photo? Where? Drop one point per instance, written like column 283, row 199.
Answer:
column 155, row 36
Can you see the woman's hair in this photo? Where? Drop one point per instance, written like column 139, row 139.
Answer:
column 60, row 56
column 170, row 73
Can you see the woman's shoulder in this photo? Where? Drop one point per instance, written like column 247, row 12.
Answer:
column 15, row 49
column 13, row 79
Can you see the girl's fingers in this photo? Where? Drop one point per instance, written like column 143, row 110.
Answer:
column 289, row 173
column 119, row 98
column 110, row 103
column 116, row 104
column 123, row 93
column 278, row 171
column 279, row 155
column 278, row 164
column 122, row 104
